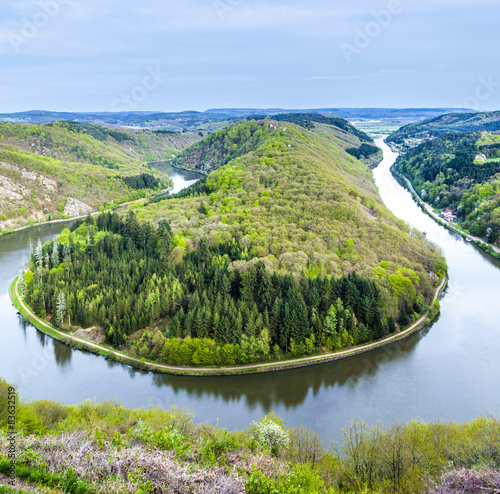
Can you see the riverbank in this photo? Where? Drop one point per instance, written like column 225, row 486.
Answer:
column 427, row 208
column 177, row 167
column 164, row 192
column 142, row 364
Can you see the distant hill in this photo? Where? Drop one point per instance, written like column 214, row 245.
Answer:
column 241, row 138
column 415, row 133
column 214, row 119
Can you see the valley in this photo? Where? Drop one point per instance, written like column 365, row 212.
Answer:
column 64, row 169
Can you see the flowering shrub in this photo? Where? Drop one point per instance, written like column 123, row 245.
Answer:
column 271, row 434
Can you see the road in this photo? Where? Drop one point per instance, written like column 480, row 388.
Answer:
column 41, row 324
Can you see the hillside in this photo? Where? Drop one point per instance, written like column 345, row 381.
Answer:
column 414, row 134
column 91, row 448
column 288, row 190
column 218, row 118
column 461, row 173
column 229, row 143
column 285, row 249
column 69, row 168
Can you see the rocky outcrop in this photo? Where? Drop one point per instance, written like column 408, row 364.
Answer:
column 74, row 207
column 10, row 190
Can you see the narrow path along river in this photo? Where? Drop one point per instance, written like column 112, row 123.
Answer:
column 450, row 371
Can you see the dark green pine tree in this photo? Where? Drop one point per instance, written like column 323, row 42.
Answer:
column 174, row 328
column 225, row 286
column 225, row 329
column 284, row 322
column 391, row 325
column 237, row 329
column 404, row 318
column 275, row 322
column 198, row 326
column 165, row 240
column 378, row 327
column 264, row 287
column 236, row 282
column 299, row 320
column 203, row 252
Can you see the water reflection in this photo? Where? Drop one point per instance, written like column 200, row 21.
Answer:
column 42, row 338
column 62, row 354
column 290, row 388
column 181, row 178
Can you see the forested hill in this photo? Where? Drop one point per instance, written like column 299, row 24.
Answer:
column 414, row 133
column 460, row 172
column 243, row 137
column 308, row 121
column 65, row 168
column 285, row 250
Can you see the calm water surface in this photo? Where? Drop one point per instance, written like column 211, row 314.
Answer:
column 450, row 371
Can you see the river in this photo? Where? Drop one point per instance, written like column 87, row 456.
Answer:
column 450, row 371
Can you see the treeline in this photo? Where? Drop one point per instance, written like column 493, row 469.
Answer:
column 307, row 120
column 142, row 181
column 216, row 305
column 96, row 131
column 364, row 151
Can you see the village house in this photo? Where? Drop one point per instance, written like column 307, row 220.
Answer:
column 449, row 215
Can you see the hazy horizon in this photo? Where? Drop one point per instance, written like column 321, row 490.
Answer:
column 208, row 110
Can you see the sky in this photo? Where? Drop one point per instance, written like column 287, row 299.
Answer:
column 164, row 55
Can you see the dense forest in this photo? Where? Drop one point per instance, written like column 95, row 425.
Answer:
column 460, row 172
column 144, row 181
column 91, row 448
column 364, row 151
column 113, row 272
column 302, row 204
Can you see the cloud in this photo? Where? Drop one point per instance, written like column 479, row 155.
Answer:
column 280, row 53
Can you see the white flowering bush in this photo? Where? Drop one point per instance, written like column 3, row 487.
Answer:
column 271, row 433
